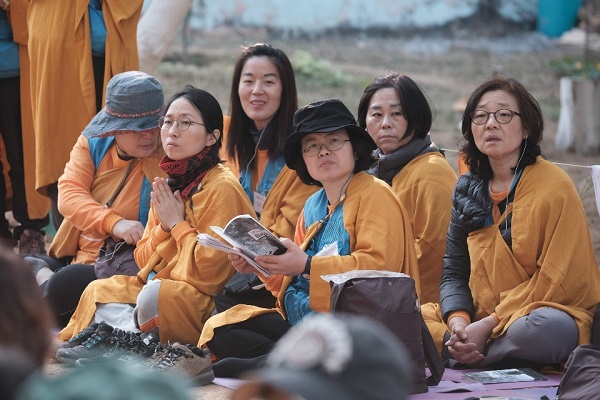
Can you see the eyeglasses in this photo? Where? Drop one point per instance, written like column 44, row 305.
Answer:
column 183, row 123
column 480, row 117
column 333, row 144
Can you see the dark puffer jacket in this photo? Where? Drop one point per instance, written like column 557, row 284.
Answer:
column 471, row 211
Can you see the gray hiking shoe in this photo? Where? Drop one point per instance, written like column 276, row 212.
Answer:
column 159, row 352
column 80, row 337
column 130, row 348
column 188, row 362
column 105, row 339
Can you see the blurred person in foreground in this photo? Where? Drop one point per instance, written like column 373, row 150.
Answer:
column 335, row 358
column 106, row 380
column 520, row 279
column 25, row 324
column 396, row 113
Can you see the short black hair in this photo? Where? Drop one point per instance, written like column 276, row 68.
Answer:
column 416, row 107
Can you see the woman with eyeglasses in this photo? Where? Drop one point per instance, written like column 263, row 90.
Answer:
column 263, row 100
column 173, row 291
column 104, row 191
column 397, row 115
column 354, row 222
column 520, row 279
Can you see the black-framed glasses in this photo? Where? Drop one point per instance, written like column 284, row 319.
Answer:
column 332, row 144
column 480, row 117
column 183, row 124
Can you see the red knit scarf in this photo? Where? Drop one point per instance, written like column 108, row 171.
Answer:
column 185, row 175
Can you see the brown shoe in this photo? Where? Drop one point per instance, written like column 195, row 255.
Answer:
column 187, row 361
column 32, row 242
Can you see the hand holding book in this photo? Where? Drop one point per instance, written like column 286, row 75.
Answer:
column 247, row 238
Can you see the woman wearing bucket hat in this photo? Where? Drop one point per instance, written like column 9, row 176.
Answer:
column 119, row 148
column 395, row 112
column 173, row 291
column 354, row 222
column 263, row 101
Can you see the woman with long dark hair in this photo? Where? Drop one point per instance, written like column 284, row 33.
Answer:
column 263, row 101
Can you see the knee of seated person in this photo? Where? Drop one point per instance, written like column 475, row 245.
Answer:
column 564, row 330
column 553, row 320
column 146, row 308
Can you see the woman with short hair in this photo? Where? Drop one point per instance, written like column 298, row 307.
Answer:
column 519, row 259
column 355, row 215
column 396, row 113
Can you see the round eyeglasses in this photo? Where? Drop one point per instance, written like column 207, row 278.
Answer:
column 183, row 124
column 332, row 144
column 480, row 117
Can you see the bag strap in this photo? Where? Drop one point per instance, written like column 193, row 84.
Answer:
column 121, row 185
column 433, row 359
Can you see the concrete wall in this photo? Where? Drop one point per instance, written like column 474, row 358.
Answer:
column 313, row 16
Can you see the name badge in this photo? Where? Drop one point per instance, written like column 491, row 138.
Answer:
column 259, row 202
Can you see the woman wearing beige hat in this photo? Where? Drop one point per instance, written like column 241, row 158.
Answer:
column 355, row 216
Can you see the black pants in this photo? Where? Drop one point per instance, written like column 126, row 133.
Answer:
column 248, row 339
column 65, row 287
column 10, row 129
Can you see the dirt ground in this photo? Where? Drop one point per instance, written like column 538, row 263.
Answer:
column 448, row 66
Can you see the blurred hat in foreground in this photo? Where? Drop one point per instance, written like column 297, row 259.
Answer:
column 334, row 358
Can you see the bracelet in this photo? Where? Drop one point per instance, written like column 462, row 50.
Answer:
column 306, row 272
column 175, row 224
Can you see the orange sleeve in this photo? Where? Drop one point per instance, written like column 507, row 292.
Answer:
column 75, row 201
column 463, row 314
column 300, row 232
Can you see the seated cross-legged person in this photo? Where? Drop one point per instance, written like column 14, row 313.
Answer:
column 520, row 279
column 354, row 212
column 172, row 293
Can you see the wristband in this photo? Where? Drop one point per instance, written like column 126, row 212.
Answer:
column 306, row 272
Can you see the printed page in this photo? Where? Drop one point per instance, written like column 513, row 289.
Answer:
column 505, row 375
column 209, row 241
column 249, row 235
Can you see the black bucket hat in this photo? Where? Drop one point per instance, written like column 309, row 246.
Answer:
column 322, row 117
column 134, row 103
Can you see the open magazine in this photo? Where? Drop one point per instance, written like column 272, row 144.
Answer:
column 505, row 376
column 248, row 239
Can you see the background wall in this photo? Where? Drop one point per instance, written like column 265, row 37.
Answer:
column 314, row 16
